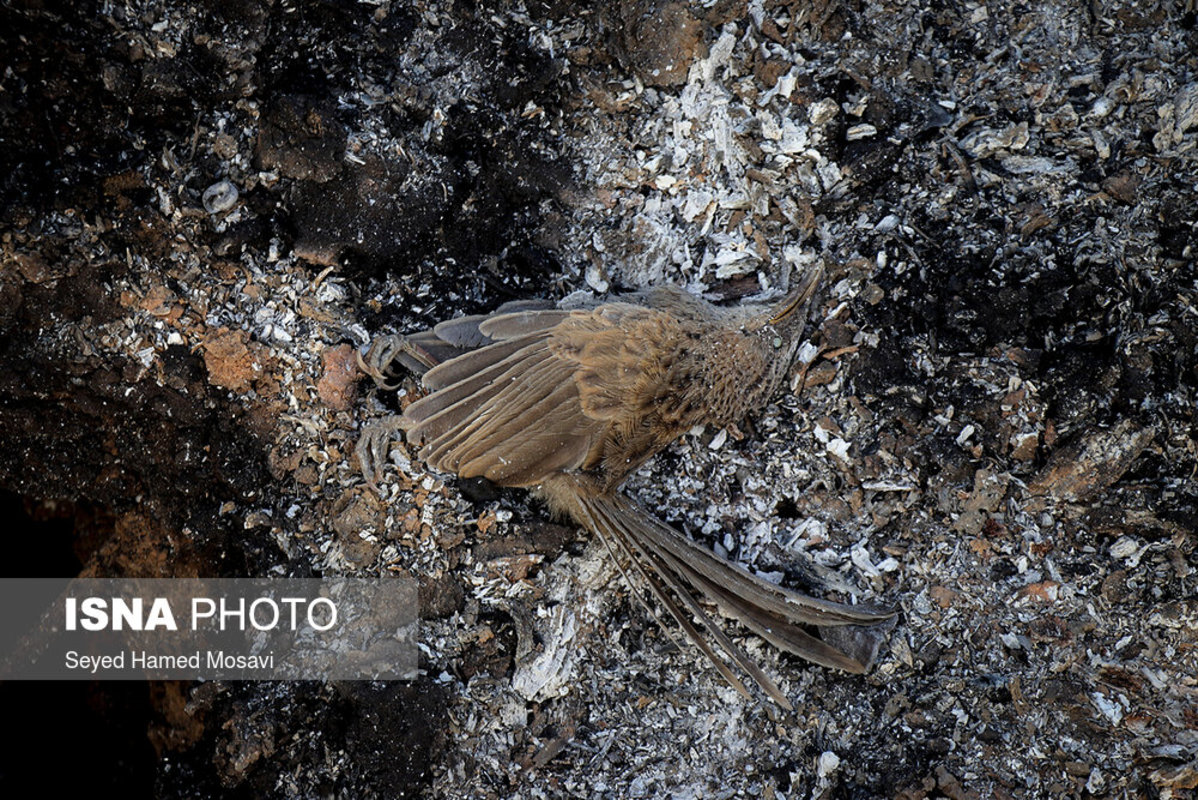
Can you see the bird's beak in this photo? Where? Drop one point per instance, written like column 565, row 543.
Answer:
column 799, row 296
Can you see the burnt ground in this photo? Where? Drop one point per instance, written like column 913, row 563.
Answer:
column 205, row 208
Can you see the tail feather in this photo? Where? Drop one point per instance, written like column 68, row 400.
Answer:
column 674, row 574
column 655, row 576
column 770, row 597
column 782, row 633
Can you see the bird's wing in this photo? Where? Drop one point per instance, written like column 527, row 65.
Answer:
column 540, row 396
column 626, row 357
column 467, row 332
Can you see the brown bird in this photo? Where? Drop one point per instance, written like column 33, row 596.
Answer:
column 569, row 402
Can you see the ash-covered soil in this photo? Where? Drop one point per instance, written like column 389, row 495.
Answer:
column 206, row 208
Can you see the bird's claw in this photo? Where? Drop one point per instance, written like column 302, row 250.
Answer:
column 374, row 447
column 380, row 359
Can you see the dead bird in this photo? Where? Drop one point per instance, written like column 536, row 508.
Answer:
column 569, row 402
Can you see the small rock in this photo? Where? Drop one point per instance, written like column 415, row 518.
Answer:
column 220, row 197
column 1181, row 777
column 337, row 387
column 1185, row 108
column 822, row 373
column 862, row 131
column 829, row 762
column 823, row 111
column 1122, row 186
column 1124, row 547
column 231, row 362
column 944, row 596
column 661, row 40
column 1024, row 446
column 595, row 279
column 1085, row 468
column 356, row 512
column 1044, row 591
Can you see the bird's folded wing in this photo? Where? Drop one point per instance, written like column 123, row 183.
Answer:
column 537, row 399
column 467, row 333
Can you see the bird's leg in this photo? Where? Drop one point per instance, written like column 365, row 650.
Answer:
column 374, row 443
column 388, row 355
column 374, row 446
column 385, row 361
column 379, row 360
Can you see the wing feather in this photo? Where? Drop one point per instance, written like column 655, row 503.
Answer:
column 526, row 460
column 424, row 350
column 470, row 332
column 501, row 423
column 540, row 396
column 433, row 415
column 512, row 325
column 482, row 360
